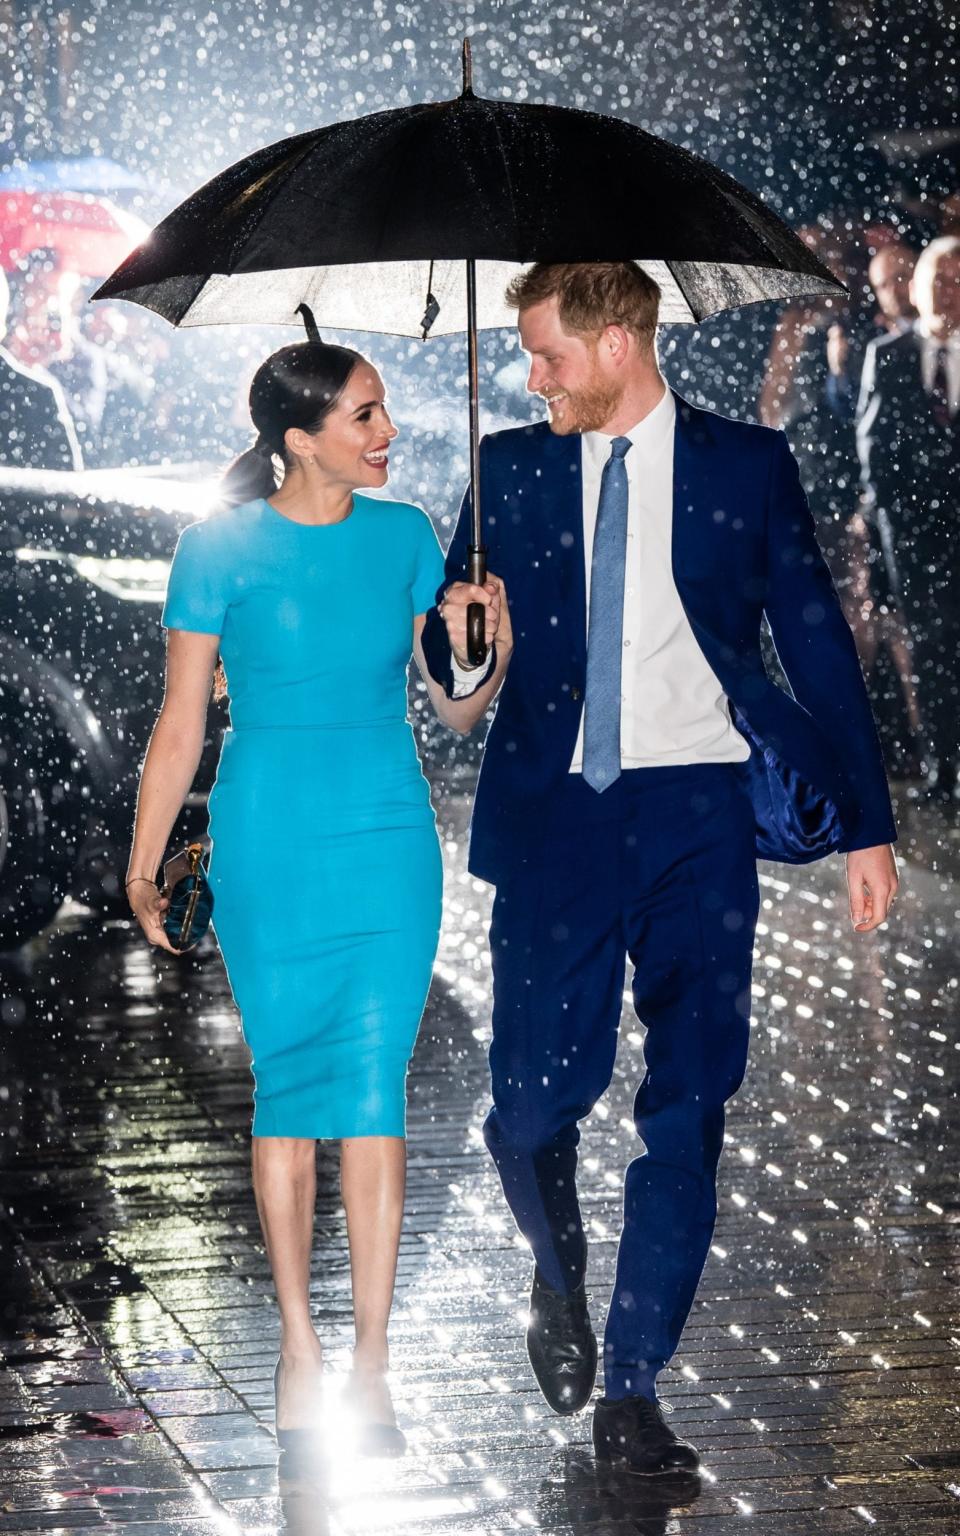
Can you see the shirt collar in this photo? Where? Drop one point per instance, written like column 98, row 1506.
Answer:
column 952, row 341
column 649, row 436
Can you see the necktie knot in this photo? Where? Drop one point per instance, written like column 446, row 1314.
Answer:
column 620, row 447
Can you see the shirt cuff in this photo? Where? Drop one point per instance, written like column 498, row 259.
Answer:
column 467, row 680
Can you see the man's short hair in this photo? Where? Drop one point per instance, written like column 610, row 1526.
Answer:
column 899, row 249
column 591, row 295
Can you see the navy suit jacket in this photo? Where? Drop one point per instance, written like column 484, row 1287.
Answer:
column 743, row 547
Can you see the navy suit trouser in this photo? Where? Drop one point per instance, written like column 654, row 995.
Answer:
column 660, row 867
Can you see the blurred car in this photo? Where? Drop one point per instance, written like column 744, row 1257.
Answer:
column 84, row 559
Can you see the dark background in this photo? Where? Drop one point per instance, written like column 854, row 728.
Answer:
column 832, row 112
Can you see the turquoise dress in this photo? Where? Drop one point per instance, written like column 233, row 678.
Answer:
column 325, row 865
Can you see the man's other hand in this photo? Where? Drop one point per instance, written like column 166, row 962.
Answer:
column 871, row 885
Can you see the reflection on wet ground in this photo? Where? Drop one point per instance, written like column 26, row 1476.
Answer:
column 818, row 1371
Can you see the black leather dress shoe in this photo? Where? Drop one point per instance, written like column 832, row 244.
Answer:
column 562, row 1345
column 632, row 1432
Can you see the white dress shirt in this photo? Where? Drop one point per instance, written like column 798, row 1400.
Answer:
column 930, row 347
column 673, row 709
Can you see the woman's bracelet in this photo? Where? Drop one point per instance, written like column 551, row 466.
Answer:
column 133, row 880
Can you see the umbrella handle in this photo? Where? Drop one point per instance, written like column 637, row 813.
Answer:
column 476, row 612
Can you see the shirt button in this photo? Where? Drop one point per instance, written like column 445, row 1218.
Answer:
column 626, row 643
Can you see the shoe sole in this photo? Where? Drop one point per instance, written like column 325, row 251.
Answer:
column 605, row 1457
column 621, row 1464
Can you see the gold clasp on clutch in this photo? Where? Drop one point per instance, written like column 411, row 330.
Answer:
column 194, row 852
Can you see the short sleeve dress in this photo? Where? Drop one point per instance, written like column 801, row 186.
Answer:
column 325, row 864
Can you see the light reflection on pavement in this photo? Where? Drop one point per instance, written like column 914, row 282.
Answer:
column 816, row 1374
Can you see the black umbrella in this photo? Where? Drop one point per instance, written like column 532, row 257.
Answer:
column 413, row 220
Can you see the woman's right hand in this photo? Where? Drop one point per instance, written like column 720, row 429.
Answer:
column 148, row 907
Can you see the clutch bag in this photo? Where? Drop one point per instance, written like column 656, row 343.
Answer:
column 187, row 918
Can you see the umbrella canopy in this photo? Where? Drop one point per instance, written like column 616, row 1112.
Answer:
column 89, row 234
column 412, row 194
column 411, row 221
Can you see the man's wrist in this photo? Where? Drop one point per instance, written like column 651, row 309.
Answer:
column 467, row 679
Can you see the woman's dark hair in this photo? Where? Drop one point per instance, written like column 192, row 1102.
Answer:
column 296, row 387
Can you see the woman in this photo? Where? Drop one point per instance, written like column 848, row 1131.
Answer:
column 325, row 865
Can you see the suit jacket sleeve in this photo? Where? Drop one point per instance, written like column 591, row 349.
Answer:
column 817, row 652
column 436, row 644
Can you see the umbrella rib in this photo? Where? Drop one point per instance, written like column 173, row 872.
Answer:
column 506, row 163
column 275, row 191
column 695, row 310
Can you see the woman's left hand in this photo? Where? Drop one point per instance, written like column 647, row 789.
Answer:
column 149, row 908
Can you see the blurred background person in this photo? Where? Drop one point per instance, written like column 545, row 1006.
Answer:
column 888, row 278
column 36, row 429
column 810, row 389
column 794, row 396
column 107, row 389
column 890, row 274
column 871, row 607
column 907, row 443
column 33, row 327
column 78, row 367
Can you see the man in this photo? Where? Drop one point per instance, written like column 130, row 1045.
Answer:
column 889, row 274
column 907, row 433
column 639, row 759
column 869, row 604
column 803, row 393
column 36, row 429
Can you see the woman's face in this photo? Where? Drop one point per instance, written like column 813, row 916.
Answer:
column 351, row 445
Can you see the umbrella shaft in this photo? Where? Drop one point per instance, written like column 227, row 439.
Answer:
column 473, row 376
column 476, row 553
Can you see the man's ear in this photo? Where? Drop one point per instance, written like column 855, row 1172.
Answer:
column 617, row 342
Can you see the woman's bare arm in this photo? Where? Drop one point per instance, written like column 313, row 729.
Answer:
column 462, row 714
column 169, row 769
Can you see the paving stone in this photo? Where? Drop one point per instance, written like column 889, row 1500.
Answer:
column 817, row 1372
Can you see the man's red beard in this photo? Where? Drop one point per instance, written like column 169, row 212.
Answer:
column 586, row 409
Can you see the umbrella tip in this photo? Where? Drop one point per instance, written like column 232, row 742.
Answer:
column 310, row 325
column 466, row 58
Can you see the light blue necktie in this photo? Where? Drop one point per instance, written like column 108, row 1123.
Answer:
column 601, row 703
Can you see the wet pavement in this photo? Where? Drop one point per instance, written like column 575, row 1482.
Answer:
column 818, row 1374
